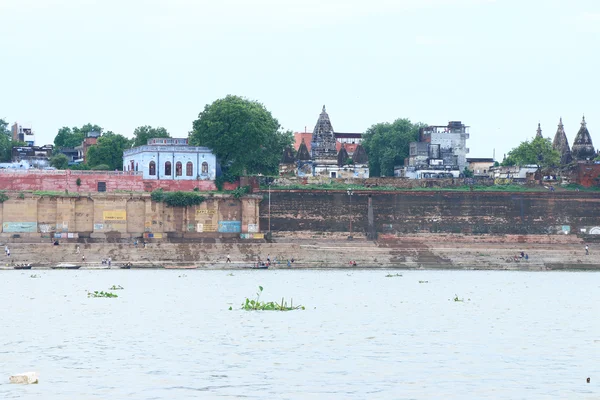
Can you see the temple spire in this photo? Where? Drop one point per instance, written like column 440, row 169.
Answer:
column 583, row 148
column 561, row 144
column 538, row 133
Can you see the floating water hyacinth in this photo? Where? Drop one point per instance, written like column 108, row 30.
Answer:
column 255, row 305
column 101, row 294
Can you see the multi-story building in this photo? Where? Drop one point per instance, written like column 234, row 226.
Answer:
column 23, row 134
column 440, row 152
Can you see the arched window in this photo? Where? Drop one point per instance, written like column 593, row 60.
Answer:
column 189, row 169
column 152, row 168
column 168, row 168
column 205, row 167
column 178, row 168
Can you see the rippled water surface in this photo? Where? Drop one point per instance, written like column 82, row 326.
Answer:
column 170, row 335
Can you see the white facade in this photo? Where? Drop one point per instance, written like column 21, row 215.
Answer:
column 170, row 158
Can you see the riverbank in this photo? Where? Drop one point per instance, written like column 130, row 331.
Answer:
column 327, row 250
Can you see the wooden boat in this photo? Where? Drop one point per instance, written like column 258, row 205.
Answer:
column 259, row 267
column 126, row 266
column 23, row 266
column 66, row 266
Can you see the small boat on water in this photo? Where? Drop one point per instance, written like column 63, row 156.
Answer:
column 22, row 266
column 126, row 266
column 66, row 266
column 259, row 266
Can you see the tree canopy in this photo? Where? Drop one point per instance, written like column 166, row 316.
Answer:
column 141, row 134
column 242, row 134
column 537, row 152
column 59, row 161
column 72, row 137
column 108, row 151
column 4, row 130
column 387, row 145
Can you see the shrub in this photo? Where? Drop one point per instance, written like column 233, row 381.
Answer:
column 177, row 199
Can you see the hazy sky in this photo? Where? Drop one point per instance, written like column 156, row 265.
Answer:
column 499, row 66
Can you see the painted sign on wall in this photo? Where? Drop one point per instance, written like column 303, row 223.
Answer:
column 98, row 227
column 115, row 215
column 19, row 227
column 252, row 227
column 230, row 226
column 206, row 228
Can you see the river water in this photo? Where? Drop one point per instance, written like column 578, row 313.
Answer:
column 170, row 335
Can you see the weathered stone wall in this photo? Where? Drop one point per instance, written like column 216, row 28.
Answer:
column 120, row 215
column 433, row 211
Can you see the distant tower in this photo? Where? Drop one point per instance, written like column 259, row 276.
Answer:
column 538, row 133
column 583, row 148
column 561, row 144
column 323, row 138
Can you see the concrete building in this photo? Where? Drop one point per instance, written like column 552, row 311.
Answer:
column 33, row 156
column 440, row 153
column 171, row 158
column 480, row 166
column 23, row 134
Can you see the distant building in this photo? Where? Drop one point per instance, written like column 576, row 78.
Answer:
column 73, row 155
column 34, row 156
column 440, row 153
column 480, row 166
column 326, row 153
column 91, row 138
column 171, row 158
column 23, row 134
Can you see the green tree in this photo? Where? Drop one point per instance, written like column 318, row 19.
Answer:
column 242, row 134
column 59, row 161
column 538, row 152
column 141, row 134
column 72, row 137
column 108, row 150
column 387, row 145
column 4, row 129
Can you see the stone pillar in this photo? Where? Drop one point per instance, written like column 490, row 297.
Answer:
column 371, row 231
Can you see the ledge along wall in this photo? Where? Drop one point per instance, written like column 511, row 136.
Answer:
column 125, row 216
column 433, row 212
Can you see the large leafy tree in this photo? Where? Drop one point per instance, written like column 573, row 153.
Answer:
column 59, row 161
column 108, row 151
column 538, row 152
column 242, row 134
column 141, row 134
column 4, row 130
column 72, row 137
column 387, row 145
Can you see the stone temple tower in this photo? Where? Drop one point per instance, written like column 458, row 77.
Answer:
column 323, row 139
column 538, row 133
column 561, row 144
column 583, row 148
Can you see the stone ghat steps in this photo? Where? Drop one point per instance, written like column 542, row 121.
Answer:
column 308, row 253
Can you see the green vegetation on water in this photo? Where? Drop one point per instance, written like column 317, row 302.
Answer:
column 255, row 305
column 116, row 287
column 392, row 275
column 423, row 281
column 102, row 294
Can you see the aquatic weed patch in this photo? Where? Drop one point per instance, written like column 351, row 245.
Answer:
column 98, row 294
column 257, row 305
column 116, row 287
column 392, row 275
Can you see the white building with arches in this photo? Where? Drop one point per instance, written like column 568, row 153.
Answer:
column 171, row 158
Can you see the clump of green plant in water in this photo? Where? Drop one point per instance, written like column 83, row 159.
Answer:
column 254, row 305
column 392, row 275
column 96, row 293
column 423, row 281
column 457, row 299
column 229, row 274
column 34, row 276
column 116, row 287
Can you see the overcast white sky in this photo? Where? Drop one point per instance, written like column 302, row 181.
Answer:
column 499, row 66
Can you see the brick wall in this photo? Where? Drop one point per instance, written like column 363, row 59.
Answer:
column 432, row 211
column 67, row 180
